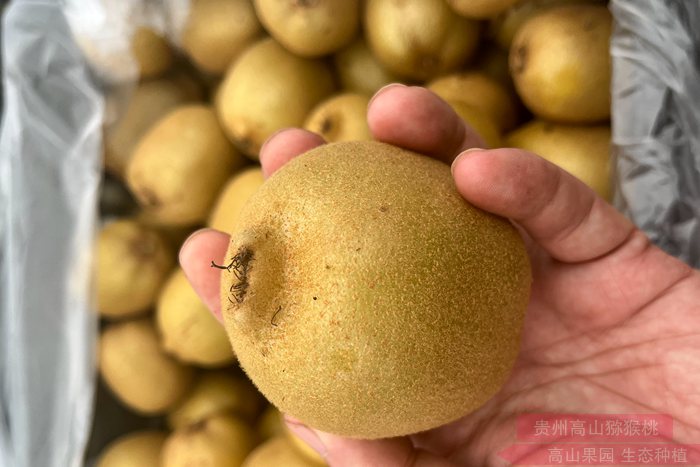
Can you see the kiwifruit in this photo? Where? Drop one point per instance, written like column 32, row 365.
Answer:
column 133, row 262
column 181, row 164
column 138, row 371
column 310, row 28
column 138, row 52
column 341, row 118
column 217, row 31
column 188, row 329
column 152, row 52
column 480, row 122
column 583, row 151
column 150, row 101
column 136, row 449
column 236, row 192
column 503, row 27
column 364, row 296
column 267, row 89
column 480, row 9
column 222, row 440
column 419, row 39
column 279, row 451
column 216, row 392
column 560, row 62
column 359, row 70
column 479, row 91
column 270, row 423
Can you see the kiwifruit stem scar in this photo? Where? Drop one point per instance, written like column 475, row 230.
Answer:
column 240, row 268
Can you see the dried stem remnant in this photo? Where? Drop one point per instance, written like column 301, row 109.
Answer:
column 239, row 267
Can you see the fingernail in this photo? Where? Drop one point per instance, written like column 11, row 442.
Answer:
column 194, row 234
column 306, row 434
column 462, row 155
column 384, row 89
column 281, row 130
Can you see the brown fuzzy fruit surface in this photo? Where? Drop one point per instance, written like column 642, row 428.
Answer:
column 366, row 298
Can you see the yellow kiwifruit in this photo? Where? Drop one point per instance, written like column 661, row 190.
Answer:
column 560, row 62
column 216, row 392
column 365, row 297
column 477, row 90
column 188, row 329
column 150, row 101
column 279, row 451
column 137, row 449
column 136, row 51
column 502, row 28
column 480, row 121
column 181, row 164
column 419, row 39
column 310, row 28
column 152, row 52
column 133, row 262
column 222, row 440
column 267, row 89
column 584, row 151
column 341, row 118
column 137, row 369
column 232, row 198
column 270, row 423
column 360, row 71
column 217, row 31
column 480, row 9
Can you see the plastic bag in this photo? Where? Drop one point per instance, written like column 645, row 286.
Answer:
column 50, row 170
column 656, row 120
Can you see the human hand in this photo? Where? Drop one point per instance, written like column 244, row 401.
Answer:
column 613, row 324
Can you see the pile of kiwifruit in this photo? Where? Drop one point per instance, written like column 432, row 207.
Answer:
column 533, row 74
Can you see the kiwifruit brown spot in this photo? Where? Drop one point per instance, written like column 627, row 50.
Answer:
column 305, row 3
column 195, row 427
column 383, row 208
column 143, row 245
column 519, row 59
column 428, row 63
column 245, row 144
column 149, row 198
column 326, row 125
column 588, row 25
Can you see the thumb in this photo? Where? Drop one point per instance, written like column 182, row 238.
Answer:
column 348, row 452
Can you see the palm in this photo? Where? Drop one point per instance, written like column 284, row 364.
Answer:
column 586, row 348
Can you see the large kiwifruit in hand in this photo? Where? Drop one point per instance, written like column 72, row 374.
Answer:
column 364, row 296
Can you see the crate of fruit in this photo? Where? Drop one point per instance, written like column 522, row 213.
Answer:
column 167, row 300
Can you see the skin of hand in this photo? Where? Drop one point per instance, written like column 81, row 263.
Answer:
column 613, row 324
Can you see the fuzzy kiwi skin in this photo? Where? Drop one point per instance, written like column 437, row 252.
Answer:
column 366, row 298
